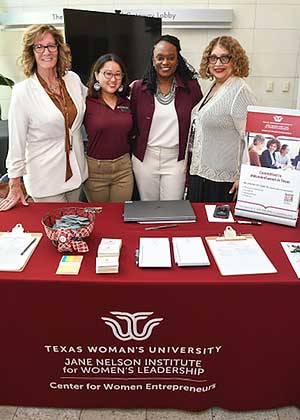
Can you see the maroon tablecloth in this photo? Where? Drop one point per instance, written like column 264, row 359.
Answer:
column 184, row 338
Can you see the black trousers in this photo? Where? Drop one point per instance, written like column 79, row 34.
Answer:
column 204, row 190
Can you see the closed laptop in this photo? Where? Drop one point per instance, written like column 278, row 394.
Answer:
column 155, row 211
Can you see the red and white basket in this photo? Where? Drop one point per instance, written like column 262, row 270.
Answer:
column 66, row 239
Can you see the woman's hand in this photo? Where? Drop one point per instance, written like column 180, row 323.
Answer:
column 234, row 190
column 14, row 196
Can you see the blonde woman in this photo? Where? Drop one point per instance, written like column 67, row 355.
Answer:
column 45, row 116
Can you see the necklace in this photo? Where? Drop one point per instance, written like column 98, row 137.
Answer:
column 53, row 87
column 60, row 100
column 168, row 98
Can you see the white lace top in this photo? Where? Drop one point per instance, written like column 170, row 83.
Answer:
column 219, row 143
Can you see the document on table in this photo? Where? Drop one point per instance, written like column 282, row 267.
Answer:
column 15, row 251
column 292, row 250
column 189, row 251
column 243, row 256
column 154, row 252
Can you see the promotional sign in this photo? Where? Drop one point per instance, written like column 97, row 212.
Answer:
column 269, row 187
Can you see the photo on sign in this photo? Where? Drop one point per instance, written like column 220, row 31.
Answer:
column 268, row 151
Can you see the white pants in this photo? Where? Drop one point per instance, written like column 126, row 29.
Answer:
column 67, row 197
column 160, row 176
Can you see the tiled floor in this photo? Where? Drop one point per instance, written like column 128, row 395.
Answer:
column 29, row 413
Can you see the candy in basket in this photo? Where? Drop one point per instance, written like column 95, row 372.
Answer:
column 68, row 227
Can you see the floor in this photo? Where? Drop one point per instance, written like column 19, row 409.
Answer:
column 29, row 413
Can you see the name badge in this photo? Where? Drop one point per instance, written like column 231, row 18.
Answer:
column 124, row 108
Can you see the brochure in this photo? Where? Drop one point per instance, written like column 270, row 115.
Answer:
column 189, row 251
column 154, row 252
column 292, row 250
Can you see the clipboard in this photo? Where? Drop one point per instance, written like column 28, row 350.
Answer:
column 239, row 254
column 16, row 249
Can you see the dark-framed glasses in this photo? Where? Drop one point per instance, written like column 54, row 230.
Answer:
column 109, row 75
column 225, row 59
column 39, row 48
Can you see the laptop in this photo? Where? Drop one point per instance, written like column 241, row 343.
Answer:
column 156, row 211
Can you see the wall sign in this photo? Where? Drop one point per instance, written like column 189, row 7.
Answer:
column 175, row 18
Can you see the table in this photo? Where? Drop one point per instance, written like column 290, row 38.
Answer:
column 232, row 341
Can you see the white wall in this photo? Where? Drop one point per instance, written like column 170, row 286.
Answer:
column 269, row 30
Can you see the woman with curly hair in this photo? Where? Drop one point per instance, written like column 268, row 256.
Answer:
column 45, row 116
column 161, row 104
column 218, row 123
column 268, row 156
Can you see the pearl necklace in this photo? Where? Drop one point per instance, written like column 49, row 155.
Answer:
column 168, row 98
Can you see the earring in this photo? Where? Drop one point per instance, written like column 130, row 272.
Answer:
column 121, row 88
column 97, row 86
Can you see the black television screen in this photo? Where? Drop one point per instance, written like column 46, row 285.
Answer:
column 91, row 34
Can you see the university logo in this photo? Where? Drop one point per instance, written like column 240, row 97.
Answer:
column 131, row 331
column 278, row 118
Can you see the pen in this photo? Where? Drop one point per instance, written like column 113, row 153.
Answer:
column 247, row 222
column 161, row 227
column 28, row 246
column 137, row 254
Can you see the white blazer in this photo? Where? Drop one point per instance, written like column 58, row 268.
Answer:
column 37, row 138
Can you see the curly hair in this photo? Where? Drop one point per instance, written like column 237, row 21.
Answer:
column 97, row 66
column 31, row 35
column 239, row 59
column 184, row 69
column 274, row 141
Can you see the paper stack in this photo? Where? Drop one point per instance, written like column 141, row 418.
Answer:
column 189, row 251
column 154, row 252
column 108, row 254
column 292, row 250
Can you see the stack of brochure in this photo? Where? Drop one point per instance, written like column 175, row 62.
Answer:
column 189, row 251
column 107, row 260
column 154, row 252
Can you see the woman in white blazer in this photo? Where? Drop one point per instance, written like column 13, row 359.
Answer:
column 45, row 116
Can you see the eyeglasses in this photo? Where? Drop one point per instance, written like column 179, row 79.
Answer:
column 39, row 48
column 109, row 75
column 213, row 59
